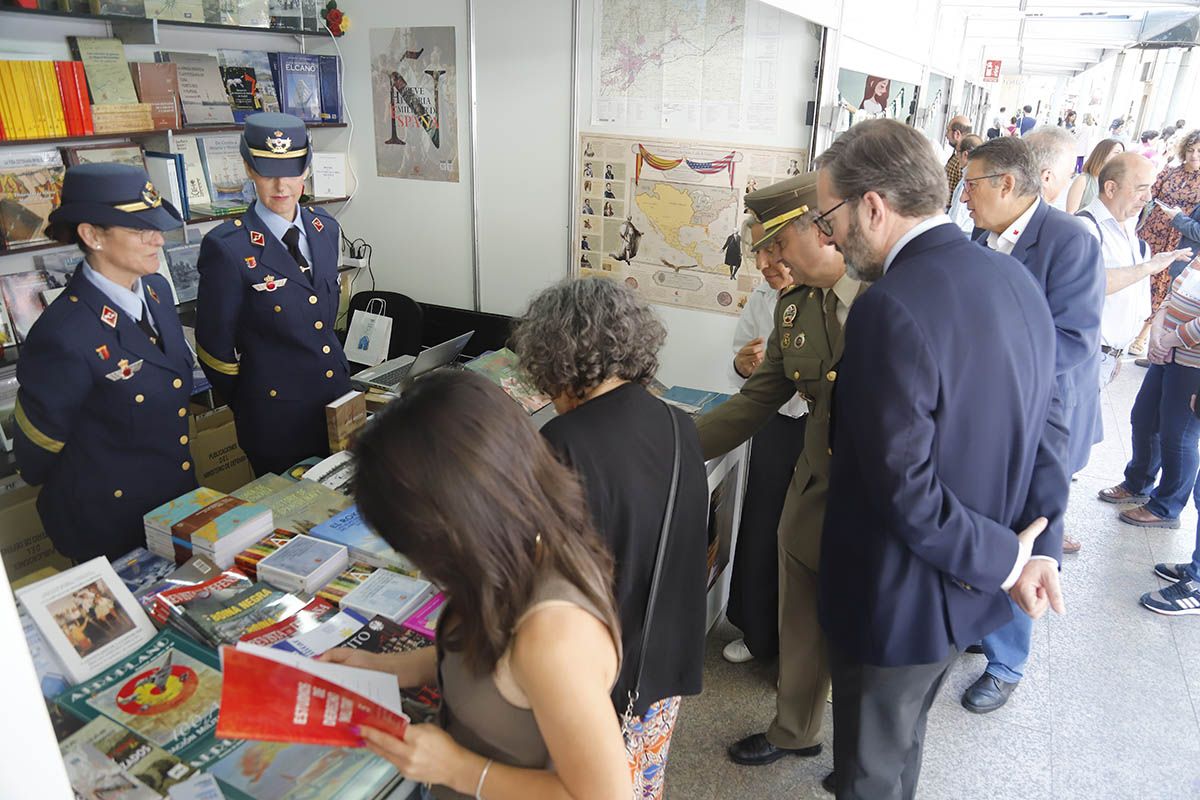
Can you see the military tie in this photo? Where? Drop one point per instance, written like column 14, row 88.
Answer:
column 833, row 328
column 292, row 240
column 148, row 329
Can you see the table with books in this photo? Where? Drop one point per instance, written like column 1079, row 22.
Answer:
column 186, row 669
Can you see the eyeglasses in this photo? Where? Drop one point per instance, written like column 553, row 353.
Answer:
column 144, row 235
column 822, row 221
column 968, row 181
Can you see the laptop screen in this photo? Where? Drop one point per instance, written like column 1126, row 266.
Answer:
column 439, row 355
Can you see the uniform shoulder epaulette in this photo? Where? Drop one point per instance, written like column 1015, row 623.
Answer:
column 319, row 211
column 228, row 228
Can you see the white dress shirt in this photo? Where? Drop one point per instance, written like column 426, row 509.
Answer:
column 1005, row 242
column 960, row 215
column 914, row 232
column 758, row 321
column 1126, row 310
column 279, row 226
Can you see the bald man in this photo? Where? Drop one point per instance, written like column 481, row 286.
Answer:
column 956, row 129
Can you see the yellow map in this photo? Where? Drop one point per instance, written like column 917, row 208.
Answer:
column 687, row 224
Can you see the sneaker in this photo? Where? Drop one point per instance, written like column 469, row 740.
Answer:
column 1171, row 572
column 736, row 652
column 1177, row 599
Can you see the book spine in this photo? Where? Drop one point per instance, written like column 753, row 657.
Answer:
column 66, row 83
column 82, row 95
column 277, row 77
column 45, row 101
column 54, row 97
column 331, row 90
column 12, row 122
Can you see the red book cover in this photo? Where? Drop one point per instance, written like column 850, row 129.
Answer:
column 64, row 74
column 223, row 586
column 267, row 701
column 317, row 611
column 82, row 96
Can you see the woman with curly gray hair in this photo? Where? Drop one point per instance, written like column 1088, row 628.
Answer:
column 593, row 347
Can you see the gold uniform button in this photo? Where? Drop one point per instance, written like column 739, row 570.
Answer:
column 177, row 383
column 139, row 398
column 185, row 466
column 328, row 373
column 74, row 299
column 183, row 412
column 829, row 450
column 312, row 299
column 272, row 393
column 318, row 324
column 278, row 309
column 118, row 493
column 325, row 349
column 831, row 376
column 796, row 375
column 183, row 439
column 237, row 223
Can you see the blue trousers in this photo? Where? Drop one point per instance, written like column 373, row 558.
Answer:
column 1007, row 649
column 1165, row 436
column 1193, row 569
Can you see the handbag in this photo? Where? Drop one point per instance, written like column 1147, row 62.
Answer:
column 628, row 718
column 370, row 334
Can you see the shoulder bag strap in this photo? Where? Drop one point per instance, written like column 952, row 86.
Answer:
column 659, row 558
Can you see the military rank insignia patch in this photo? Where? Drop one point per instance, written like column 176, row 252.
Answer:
column 153, row 294
column 786, row 340
column 102, row 351
column 799, row 340
column 251, row 262
column 108, row 317
column 317, row 224
column 789, row 315
column 124, row 370
column 270, row 284
column 257, row 238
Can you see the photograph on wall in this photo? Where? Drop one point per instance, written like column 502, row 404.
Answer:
column 415, row 96
column 862, row 96
column 671, row 231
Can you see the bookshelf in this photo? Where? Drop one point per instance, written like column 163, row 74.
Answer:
column 145, row 30
column 197, row 130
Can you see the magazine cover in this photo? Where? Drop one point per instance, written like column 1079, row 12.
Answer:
column 93, row 776
column 310, row 618
column 225, row 621
column 151, row 765
column 168, row 692
column 257, row 62
column 88, row 618
column 30, row 185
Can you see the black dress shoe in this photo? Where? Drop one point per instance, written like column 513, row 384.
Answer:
column 974, row 649
column 987, row 694
column 829, row 784
column 755, row 750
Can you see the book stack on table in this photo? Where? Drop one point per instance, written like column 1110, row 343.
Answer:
column 206, row 522
column 303, row 565
column 388, row 594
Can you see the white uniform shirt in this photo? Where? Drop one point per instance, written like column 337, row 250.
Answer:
column 1125, row 311
column 758, row 321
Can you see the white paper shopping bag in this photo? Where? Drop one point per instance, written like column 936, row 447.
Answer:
column 368, row 337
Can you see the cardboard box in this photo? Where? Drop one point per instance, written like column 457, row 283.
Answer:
column 24, row 547
column 219, row 462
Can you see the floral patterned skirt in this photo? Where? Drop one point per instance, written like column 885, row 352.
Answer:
column 647, row 741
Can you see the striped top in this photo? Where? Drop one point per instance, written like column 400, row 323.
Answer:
column 1183, row 313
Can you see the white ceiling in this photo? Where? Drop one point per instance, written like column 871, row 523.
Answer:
column 1063, row 37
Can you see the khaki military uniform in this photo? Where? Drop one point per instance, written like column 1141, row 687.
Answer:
column 801, row 356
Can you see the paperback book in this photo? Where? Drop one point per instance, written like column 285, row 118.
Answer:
column 262, row 487
column 149, row 764
column 223, row 164
column 313, row 616
column 381, row 635
column 254, row 62
column 224, row 622
column 389, row 594
column 167, row 692
column 331, row 88
column 326, row 634
column 201, row 92
column 335, row 471
column 305, row 505
column 303, row 565
column 195, row 183
column 140, row 569
column 343, row 419
column 94, row 776
column 108, row 78
column 298, row 81
column 157, row 83
column 424, row 621
column 272, row 695
column 347, row 528
column 503, row 369
column 257, row 770
column 88, row 618
column 181, row 262
column 30, row 186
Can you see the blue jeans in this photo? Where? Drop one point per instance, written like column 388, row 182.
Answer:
column 1165, row 436
column 1007, row 649
column 1193, row 569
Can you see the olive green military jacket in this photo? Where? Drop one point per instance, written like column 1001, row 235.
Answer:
column 799, row 358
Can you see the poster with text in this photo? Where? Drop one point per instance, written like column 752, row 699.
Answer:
column 414, row 90
column 665, row 216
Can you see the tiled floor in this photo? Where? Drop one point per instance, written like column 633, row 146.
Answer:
column 1109, row 706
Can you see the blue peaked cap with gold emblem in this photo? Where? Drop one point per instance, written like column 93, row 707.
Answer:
column 276, row 145
column 114, row 194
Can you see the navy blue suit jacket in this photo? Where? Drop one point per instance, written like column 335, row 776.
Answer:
column 264, row 335
column 102, row 417
column 1065, row 260
column 1189, row 226
column 948, row 439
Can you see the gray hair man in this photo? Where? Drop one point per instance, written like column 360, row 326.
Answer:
column 1004, row 178
column 1054, row 156
column 919, row 550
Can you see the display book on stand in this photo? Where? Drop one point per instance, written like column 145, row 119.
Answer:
column 192, row 659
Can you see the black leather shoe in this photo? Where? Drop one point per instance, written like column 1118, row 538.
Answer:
column 829, row 784
column 987, row 694
column 974, row 649
column 755, row 750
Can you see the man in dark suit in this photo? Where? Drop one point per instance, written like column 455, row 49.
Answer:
column 947, row 440
column 1003, row 182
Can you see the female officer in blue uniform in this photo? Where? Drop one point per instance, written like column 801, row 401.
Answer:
column 105, row 372
column 267, row 303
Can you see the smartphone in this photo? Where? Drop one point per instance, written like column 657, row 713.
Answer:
column 1168, row 209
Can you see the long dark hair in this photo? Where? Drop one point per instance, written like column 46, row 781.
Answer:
column 454, row 476
column 1099, row 155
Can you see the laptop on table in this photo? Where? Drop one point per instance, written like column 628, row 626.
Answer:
column 397, row 374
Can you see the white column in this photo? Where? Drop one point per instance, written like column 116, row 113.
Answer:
column 1185, row 84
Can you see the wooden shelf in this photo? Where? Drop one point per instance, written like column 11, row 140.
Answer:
column 197, row 130
column 33, row 248
column 127, row 20
column 323, row 201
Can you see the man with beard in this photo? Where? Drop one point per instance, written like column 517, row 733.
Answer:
column 948, row 440
column 802, row 356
